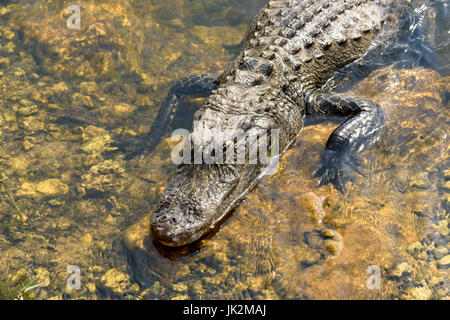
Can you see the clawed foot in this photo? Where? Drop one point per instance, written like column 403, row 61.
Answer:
column 335, row 169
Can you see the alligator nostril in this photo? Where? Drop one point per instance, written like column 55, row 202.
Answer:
column 163, row 218
column 174, row 220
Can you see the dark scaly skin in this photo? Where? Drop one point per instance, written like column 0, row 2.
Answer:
column 290, row 52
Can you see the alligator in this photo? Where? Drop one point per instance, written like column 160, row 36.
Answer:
column 291, row 52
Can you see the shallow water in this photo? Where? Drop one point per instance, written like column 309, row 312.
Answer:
column 67, row 94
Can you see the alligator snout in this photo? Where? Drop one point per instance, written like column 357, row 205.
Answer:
column 190, row 205
column 174, row 226
column 196, row 199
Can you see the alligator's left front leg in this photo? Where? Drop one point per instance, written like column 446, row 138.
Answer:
column 199, row 85
column 350, row 138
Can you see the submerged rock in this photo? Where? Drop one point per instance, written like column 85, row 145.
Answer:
column 444, row 263
column 46, row 188
column 107, row 176
column 418, row 293
column 439, row 253
column 404, row 269
column 117, row 282
column 52, row 187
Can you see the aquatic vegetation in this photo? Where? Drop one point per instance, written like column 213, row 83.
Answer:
column 4, row 186
column 21, row 289
column 25, row 291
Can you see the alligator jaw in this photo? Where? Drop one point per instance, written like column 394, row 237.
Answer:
column 193, row 202
column 181, row 218
column 160, row 235
column 170, row 227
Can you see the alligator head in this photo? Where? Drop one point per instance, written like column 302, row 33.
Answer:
column 198, row 196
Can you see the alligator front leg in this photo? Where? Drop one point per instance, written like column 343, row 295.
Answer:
column 199, row 85
column 350, row 138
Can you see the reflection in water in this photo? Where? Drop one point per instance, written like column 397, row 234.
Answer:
column 68, row 94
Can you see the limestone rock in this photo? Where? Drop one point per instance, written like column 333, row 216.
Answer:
column 107, row 176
